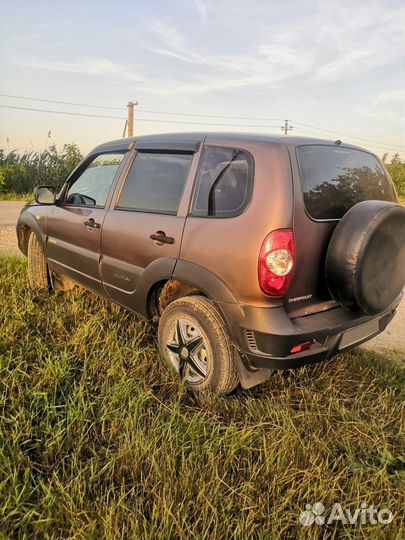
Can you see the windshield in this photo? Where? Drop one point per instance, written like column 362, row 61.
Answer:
column 334, row 179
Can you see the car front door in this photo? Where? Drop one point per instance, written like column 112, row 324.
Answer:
column 74, row 224
column 146, row 221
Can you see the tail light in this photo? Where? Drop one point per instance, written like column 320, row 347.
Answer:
column 276, row 262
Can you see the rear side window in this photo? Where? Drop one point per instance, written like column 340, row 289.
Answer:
column 334, row 179
column 224, row 183
column 155, row 182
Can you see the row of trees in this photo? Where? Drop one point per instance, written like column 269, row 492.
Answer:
column 396, row 168
column 20, row 173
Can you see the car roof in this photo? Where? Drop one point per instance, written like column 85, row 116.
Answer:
column 234, row 137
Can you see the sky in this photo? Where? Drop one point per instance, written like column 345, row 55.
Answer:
column 334, row 68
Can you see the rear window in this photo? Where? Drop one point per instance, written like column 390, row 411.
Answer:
column 224, row 182
column 156, row 182
column 334, row 179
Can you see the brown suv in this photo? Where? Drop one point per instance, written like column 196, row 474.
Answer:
column 253, row 252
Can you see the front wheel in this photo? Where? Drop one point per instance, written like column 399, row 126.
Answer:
column 38, row 275
column 194, row 341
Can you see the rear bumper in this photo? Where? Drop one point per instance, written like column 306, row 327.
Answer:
column 265, row 337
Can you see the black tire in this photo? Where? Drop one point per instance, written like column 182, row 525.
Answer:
column 220, row 371
column 38, row 275
column 365, row 260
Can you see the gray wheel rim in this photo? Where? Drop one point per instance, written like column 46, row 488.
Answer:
column 188, row 350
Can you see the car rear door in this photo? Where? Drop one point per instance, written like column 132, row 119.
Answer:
column 329, row 179
column 74, row 225
column 146, row 220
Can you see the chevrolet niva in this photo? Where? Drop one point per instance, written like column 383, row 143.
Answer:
column 252, row 253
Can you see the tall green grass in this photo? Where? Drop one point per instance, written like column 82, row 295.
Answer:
column 13, row 196
column 21, row 172
column 98, row 441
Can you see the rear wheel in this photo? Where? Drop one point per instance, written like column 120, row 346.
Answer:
column 194, row 341
column 38, row 275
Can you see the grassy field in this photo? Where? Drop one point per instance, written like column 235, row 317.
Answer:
column 97, row 441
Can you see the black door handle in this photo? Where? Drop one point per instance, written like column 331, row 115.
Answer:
column 161, row 237
column 91, row 223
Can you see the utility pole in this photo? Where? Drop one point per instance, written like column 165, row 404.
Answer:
column 125, row 128
column 47, row 139
column 131, row 105
column 286, row 128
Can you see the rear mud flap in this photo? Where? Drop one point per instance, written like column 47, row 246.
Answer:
column 248, row 375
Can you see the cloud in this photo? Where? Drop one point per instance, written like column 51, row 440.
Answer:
column 357, row 38
column 334, row 42
column 390, row 96
column 388, row 103
column 267, row 66
column 233, row 48
column 202, row 7
column 167, row 34
column 92, row 66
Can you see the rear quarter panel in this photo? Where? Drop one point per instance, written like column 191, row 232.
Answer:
column 229, row 247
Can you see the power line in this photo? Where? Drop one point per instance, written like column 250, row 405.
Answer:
column 138, row 118
column 62, row 102
column 348, row 137
column 61, row 112
column 378, row 144
column 72, row 103
column 308, row 132
column 214, row 116
column 341, row 134
column 140, row 110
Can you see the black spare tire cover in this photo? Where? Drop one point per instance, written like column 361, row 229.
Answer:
column 365, row 261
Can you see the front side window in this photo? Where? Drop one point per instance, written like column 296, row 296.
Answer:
column 224, row 183
column 93, row 185
column 335, row 178
column 155, row 183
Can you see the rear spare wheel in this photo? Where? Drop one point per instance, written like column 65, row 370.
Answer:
column 365, row 262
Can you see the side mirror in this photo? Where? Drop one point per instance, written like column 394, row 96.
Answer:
column 44, row 195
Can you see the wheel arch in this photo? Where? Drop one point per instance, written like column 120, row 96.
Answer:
column 209, row 283
column 196, row 278
column 25, row 225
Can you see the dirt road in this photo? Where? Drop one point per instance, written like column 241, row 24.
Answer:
column 9, row 212
column 392, row 339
